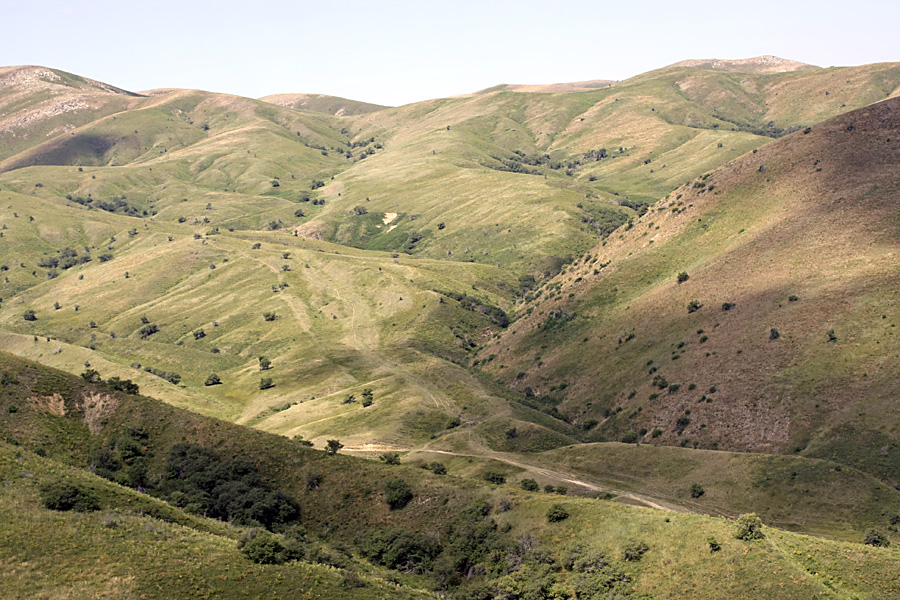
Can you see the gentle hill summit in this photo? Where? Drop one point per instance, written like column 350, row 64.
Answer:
column 754, row 308
column 330, row 105
column 550, row 88
column 758, row 64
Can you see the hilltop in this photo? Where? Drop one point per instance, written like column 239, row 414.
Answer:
column 331, row 105
column 757, row 64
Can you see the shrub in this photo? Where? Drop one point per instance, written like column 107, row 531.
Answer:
column 683, row 276
column 530, row 485
column 629, row 438
column 62, row 495
column 264, row 363
column 438, row 468
column 876, row 538
column 91, row 376
column 390, row 458
column 748, row 527
column 266, row 383
column 333, row 446
column 397, row 493
column 697, row 490
column 398, row 549
column 148, row 330
column 494, row 477
column 694, row 306
column 122, row 385
column 263, row 548
column 213, row 379
column 29, row 315
column 634, row 550
column 728, row 305
column 299, row 439
column 832, row 337
column 269, row 316
column 714, row 546
column 774, row 334
column 557, row 513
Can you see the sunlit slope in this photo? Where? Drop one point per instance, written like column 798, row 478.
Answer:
column 632, row 142
column 799, row 243
column 344, row 320
column 519, row 179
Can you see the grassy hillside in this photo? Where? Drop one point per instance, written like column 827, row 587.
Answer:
column 781, row 336
column 633, row 552
column 338, row 277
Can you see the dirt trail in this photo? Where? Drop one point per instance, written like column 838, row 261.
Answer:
column 562, row 476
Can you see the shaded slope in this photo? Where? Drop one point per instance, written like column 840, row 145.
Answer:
column 811, row 218
column 346, row 504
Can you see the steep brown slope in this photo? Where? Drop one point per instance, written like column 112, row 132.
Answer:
column 802, row 239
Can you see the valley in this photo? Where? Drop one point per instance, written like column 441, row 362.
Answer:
column 666, row 301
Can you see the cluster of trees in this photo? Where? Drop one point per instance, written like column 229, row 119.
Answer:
column 116, row 204
column 198, row 480
column 113, row 383
column 494, row 313
column 67, row 259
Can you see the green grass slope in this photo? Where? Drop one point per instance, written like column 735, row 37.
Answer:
column 800, row 240
column 173, row 554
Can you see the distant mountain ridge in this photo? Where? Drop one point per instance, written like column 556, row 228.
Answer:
column 758, row 64
column 322, row 103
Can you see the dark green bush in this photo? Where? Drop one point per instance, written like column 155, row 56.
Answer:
column 494, row 477
column 876, row 538
column 390, row 458
column 557, row 513
column 748, row 527
column 530, row 485
column 63, row 495
column 397, row 493
column 634, row 550
column 265, row 548
column 398, row 549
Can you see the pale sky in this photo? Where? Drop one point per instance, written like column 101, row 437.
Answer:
column 397, row 52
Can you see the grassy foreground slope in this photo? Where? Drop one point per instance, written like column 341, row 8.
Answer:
column 783, row 336
column 174, row 554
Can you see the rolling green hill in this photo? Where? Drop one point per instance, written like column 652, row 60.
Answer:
column 448, row 536
column 488, row 281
